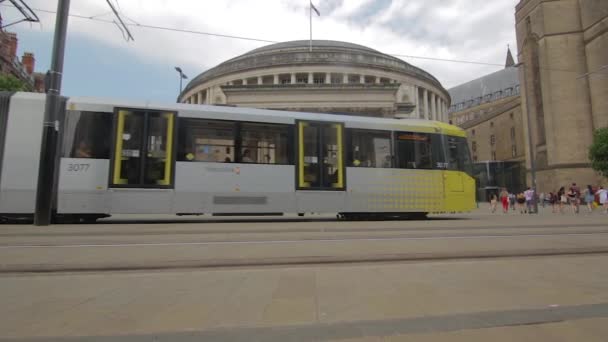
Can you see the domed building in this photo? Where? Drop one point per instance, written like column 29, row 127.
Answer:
column 335, row 77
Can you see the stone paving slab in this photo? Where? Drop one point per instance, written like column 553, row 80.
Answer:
column 475, row 299
column 213, row 254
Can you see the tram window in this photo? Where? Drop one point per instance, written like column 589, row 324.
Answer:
column 414, row 150
column 87, row 135
column 458, row 154
column 370, row 149
column 264, row 143
column 206, row 140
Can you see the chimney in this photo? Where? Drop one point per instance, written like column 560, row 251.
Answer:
column 28, row 62
column 12, row 44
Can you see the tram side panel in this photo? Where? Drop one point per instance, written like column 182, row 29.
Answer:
column 203, row 187
column 83, row 186
column 21, row 156
column 395, row 190
column 459, row 191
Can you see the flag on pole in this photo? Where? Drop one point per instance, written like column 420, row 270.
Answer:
column 314, row 9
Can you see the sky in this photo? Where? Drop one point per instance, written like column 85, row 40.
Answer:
column 100, row 62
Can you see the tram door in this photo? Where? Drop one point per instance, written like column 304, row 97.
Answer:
column 142, row 160
column 320, row 156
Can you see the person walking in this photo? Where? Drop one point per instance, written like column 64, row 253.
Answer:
column 553, row 201
column 541, row 198
column 574, row 194
column 521, row 202
column 493, row 203
column 512, row 200
column 603, row 195
column 504, row 199
column 529, row 196
column 589, row 198
column 563, row 200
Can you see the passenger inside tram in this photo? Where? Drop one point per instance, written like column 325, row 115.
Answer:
column 246, row 157
column 83, row 150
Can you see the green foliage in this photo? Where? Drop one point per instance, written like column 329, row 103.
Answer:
column 10, row 83
column 598, row 152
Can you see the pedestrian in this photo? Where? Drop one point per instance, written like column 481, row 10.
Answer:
column 504, row 199
column 493, row 202
column 521, row 202
column 529, row 195
column 563, row 200
column 553, row 201
column 512, row 200
column 589, row 198
column 574, row 194
column 603, row 195
column 541, row 198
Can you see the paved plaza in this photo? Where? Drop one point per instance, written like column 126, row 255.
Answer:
column 469, row 277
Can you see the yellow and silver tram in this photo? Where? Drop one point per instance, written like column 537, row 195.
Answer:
column 140, row 158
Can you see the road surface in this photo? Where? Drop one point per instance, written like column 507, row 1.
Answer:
column 467, row 277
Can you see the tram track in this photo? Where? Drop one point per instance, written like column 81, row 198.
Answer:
column 405, row 237
column 203, row 231
column 306, row 261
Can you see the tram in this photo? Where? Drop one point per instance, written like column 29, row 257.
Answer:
column 120, row 157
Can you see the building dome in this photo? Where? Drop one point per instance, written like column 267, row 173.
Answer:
column 335, row 77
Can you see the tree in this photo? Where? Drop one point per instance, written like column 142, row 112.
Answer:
column 598, row 152
column 10, row 83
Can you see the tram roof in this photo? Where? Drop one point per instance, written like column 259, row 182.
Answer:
column 267, row 115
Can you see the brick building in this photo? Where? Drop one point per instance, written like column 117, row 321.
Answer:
column 22, row 69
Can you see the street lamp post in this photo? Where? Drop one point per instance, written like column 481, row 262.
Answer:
column 182, row 76
column 530, row 149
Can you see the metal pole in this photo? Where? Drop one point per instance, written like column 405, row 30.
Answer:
column 310, row 25
column 181, row 77
column 48, row 146
column 530, row 149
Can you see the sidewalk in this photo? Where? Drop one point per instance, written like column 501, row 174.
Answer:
column 498, row 300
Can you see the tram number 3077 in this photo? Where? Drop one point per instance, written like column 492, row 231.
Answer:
column 84, row 167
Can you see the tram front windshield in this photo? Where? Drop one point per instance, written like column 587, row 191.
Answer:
column 459, row 155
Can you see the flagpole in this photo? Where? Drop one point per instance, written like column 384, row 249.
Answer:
column 310, row 22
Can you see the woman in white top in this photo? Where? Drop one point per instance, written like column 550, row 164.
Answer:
column 603, row 194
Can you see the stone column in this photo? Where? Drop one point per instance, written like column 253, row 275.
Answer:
column 276, row 79
column 377, row 80
column 293, row 78
column 416, row 101
column 244, row 81
column 327, row 78
column 361, row 78
column 425, row 99
column 311, row 78
column 260, row 80
column 433, row 106
column 344, row 78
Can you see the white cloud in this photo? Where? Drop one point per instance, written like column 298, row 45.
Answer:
column 477, row 30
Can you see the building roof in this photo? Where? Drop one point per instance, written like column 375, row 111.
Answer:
column 498, row 81
column 306, row 43
column 324, row 52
